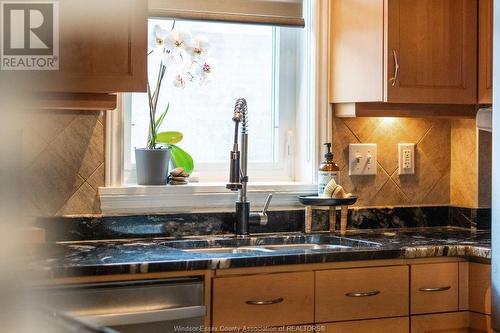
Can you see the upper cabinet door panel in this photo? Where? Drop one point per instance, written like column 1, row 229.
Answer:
column 485, row 72
column 434, row 43
column 356, row 51
column 102, row 48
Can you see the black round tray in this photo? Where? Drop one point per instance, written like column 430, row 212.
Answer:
column 314, row 200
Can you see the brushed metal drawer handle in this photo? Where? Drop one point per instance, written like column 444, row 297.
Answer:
column 363, row 294
column 270, row 302
column 428, row 290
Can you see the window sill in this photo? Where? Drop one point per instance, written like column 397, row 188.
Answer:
column 196, row 197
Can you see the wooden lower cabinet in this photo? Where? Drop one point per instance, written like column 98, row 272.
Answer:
column 361, row 293
column 443, row 297
column 393, row 325
column 479, row 323
column 480, row 288
column 455, row 322
column 434, row 288
column 263, row 300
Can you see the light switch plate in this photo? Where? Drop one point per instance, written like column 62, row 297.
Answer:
column 406, row 157
column 362, row 159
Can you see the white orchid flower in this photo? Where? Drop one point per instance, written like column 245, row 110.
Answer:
column 180, row 81
column 202, row 71
column 158, row 37
column 177, row 40
column 199, row 47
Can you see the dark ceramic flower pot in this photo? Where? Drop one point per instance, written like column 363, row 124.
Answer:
column 152, row 166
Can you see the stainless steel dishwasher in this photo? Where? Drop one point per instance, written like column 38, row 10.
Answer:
column 146, row 306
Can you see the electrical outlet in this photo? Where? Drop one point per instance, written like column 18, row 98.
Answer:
column 406, row 153
column 362, row 159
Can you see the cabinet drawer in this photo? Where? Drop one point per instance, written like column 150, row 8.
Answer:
column 393, row 325
column 361, row 293
column 434, row 288
column 264, row 300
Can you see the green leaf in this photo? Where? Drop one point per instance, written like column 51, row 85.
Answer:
column 160, row 119
column 169, row 137
column 182, row 158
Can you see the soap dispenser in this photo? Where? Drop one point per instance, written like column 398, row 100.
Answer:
column 328, row 170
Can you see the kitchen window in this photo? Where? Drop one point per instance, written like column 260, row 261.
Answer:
column 256, row 62
column 281, row 71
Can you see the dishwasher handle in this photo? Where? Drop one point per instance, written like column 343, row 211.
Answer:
column 130, row 318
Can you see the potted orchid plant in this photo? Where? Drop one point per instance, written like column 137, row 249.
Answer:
column 183, row 60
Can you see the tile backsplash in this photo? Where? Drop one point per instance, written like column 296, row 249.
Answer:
column 63, row 162
column 430, row 185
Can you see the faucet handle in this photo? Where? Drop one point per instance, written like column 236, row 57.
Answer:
column 260, row 218
column 267, row 203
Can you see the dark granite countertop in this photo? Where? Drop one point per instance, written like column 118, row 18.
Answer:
column 83, row 258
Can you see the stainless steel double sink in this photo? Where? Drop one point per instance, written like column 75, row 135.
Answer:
column 275, row 243
column 268, row 248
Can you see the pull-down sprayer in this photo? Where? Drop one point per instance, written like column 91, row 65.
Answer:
column 238, row 177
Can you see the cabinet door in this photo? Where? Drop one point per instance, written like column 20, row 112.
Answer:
column 485, row 73
column 455, row 322
column 393, row 325
column 435, row 45
column 102, row 48
column 480, row 288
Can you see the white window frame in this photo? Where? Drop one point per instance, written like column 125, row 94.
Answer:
column 315, row 114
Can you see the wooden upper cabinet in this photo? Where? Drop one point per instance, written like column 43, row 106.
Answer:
column 102, row 48
column 434, row 44
column 485, row 72
column 403, row 51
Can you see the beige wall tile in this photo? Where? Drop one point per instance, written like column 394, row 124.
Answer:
column 429, row 185
column 389, row 195
column 391, row 132
column 418, row 186
column 49, row 124
column 63, row 154
column 362, row 128
column 437, row 145
column 84, row 201
column 342, row 137
column 50, row 181
column 464, row 161
column 82, row 143
column 96, row 180
column 365, row 187
column 440, row 194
